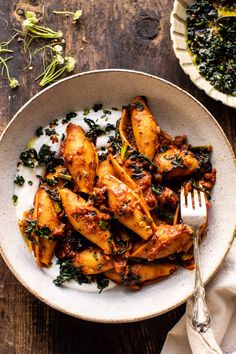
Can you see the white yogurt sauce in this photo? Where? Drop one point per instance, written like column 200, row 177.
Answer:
column 26, row 193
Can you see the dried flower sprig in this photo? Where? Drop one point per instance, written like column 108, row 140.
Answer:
column 75, row 15
column 57, row 67
column 31, row 28
column 13, row 83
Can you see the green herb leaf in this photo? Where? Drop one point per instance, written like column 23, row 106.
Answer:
column 97, row 107
column 44, row 232
column 15, row 199
column 68, row 117
column 49, row 181
column 86, row 111
column 106, row 111
column 29, row 157
column 95, row 129
column 102, row 283
column 39, row 131
column 110, row 127
column 19, row 180
column 68, row 272
column 103, row 225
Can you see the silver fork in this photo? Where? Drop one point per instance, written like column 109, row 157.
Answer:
column 194, row 214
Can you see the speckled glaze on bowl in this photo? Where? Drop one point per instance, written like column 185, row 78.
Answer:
column 178, row 36
column 177, row 112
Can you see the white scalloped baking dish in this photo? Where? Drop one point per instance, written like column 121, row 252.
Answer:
column 178, row 36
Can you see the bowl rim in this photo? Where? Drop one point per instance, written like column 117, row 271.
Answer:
column 60, row 308
column 213, row 93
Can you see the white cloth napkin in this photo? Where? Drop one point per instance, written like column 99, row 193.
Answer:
column 221, row 301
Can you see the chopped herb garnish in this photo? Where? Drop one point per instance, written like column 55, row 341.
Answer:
column 136, row 154
column 54, row 194
column 103, row 225
column 158, row 189
column 130, row 278
column 29, row 157
column 39, row 131
column 64, row 176
column 63, row 137
column 86, row 111
column 68, row 272
column 176, row 160
column 138, row 105
column 53, row 123
column 97, row 107
column 94, row 130
column 102, row 157
column 114, row 108
column 162, row 148
column 50, row 182
column 123, row 152
column 201, row 189
column 102, row 283
column 110, row 127
column 46, row 157
column 166, row 214
column 31, row 227
column 44, row 232
column 50, row 132
column 30, row 230
column 19, row 180
column 30, row 183
column 115, row 143
column 203, row 155
column 68, row 117
column 106, row 111
column 15, row 199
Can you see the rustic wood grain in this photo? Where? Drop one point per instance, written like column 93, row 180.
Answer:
column 132, row 34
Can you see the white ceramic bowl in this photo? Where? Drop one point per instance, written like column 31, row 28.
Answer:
column 178, row 36
column 177, row 112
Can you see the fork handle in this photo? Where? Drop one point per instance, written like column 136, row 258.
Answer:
column 201, row 320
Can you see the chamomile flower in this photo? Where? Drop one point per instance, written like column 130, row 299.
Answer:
column 13, row 83
column 70, row 64
column 75, row 15
column 31, row 28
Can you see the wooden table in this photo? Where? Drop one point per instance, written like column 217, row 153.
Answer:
column 131, row 34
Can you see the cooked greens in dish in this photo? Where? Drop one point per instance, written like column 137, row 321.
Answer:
column 211, row 38
column 106, row 204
